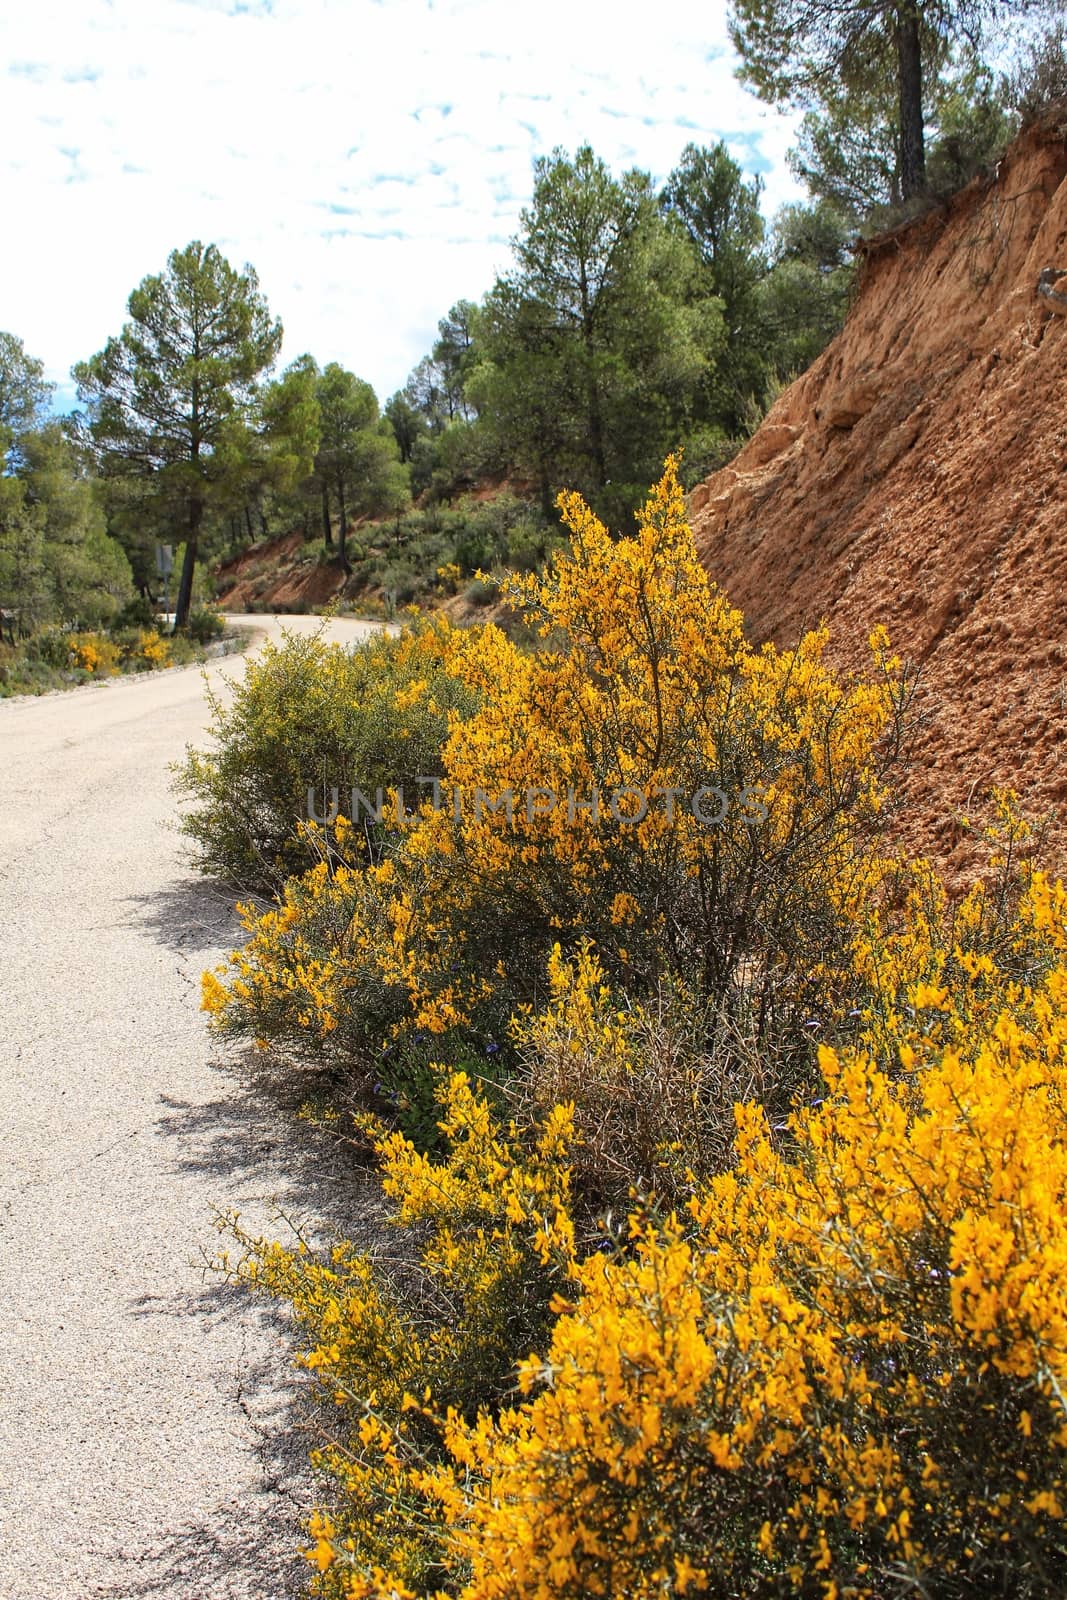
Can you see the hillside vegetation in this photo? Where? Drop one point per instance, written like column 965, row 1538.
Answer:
column 723, row 1133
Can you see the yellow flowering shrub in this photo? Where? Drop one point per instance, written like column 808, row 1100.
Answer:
column 313, row 990
column 94, row 653
column 916, row 946
column 651, row 1095
column 839, row 1370
column 495, row 1240
column 675, row 1327
column 703, row 811
column 153, row 649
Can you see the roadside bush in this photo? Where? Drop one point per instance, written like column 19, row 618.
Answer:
column 51, row 648
column 494, row 1242
column 645, row 700
column 743, row 1269
column 839, row 1370
column 94, row 654
column 136, row 613
column 313, row 716
column 205, row 625
column 20, row 674
column 152, row 649
column 143, row 649
column 650, row 1085
column 59, row 658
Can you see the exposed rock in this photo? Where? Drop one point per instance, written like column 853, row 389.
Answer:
column 1052, row 284
column 853, row 402
column 896, row 442
column 770, row 442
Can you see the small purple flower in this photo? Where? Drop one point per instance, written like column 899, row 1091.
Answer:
column 491, row 1048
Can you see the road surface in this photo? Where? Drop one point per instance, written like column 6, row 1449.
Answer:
column 145, row 1408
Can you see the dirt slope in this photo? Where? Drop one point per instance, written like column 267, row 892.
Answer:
column 916, row 476
column 280, row 574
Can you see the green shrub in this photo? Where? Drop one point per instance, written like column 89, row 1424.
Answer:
column 136, row 613
column 313, row 715
column 474, row 550
column 482, row 591
column 49, row 648
column 400, row 583
column 707, row 450
column 205, row 624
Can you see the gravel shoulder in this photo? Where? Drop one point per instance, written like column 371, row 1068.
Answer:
column 146, row 1445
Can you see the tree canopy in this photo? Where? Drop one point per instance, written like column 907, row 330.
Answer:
column 24, row 394
column 830, row 55
column 720, row 211
column 358, row 462
column 184, row 368
column 589, row 353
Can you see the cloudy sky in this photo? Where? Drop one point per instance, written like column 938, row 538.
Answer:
column 369, row 157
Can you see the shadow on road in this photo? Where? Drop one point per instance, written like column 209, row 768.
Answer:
column 283, row 1171
column 194, row 914
column 246, row 1548
column 249, row 1136
column 259, row 1133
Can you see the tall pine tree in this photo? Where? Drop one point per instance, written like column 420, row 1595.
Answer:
column 163, row 394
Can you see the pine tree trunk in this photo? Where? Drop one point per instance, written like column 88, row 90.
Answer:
column 596, row 425
column 342, row 535
column 910, row 72
column 548, row 503
column 192, row 539
column 196, row 510
column 327, row 534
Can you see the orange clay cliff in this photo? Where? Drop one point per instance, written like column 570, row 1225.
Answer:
column 916, row 476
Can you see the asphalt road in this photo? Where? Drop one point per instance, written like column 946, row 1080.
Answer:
column 145, row 1410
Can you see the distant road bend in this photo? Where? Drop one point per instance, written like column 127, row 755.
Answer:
column 140, row 1400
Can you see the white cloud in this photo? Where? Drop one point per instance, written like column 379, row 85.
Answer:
column 369, row 157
